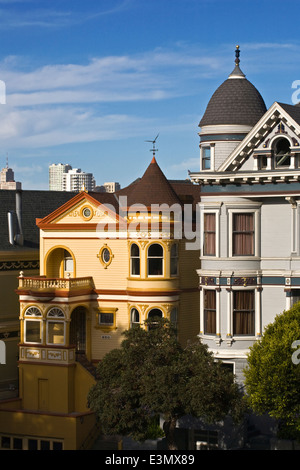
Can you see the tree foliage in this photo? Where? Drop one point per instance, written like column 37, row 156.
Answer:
column 151, row 374
column 272, row 376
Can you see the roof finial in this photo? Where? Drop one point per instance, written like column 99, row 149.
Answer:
column 237, row 55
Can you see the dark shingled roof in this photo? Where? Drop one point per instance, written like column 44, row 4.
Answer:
column 236, row 101
column 152, row 188
column 35, row 204
column 292, row 110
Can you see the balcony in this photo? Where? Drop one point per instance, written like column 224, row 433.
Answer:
column 44, row 285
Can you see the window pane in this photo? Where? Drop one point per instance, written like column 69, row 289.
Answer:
column 17, row 443
column 33, row 331
column 155, row 250
column 155, row 260
column 45, row 445
column 135, row 260
column 155, row 266
column 106, row 318
column 5, row 442
column 135, row 316
column 56, row 332
column 206, row 158
column 57, row 445
column 32, row 444
column 243, row 234
column 209, row 245
column 243, row 313
column 209, row 312
column 134, row 251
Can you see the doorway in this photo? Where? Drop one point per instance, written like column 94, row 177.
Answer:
column 78, row 330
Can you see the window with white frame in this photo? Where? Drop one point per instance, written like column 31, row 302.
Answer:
column 243, row 312
column 155, row 260
column 134, row 317
column 33, row 325
column 55, row 326
column 209, row 234
column 206, row 157
column 209, row 311
column 243, row 242
column 244, row 230
column 134, row 260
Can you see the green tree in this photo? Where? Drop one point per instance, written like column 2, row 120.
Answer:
column 151, row 374
column 272, row 375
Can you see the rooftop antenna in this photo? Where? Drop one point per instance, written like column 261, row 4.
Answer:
column 153, row 145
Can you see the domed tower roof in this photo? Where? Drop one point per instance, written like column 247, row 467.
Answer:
column 236, row 101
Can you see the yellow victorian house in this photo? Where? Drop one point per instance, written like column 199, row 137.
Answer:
column 107, row 261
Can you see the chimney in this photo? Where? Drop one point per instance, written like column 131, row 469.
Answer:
column 19, row 235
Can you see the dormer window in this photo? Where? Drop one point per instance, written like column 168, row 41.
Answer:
column 282, row 152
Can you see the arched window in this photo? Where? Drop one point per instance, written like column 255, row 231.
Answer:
column 33, row 325
column 134, row 260
column 155, row 260
column 282, row 152
column 134, row 317
column 33, row 312
column 154, row 314
column 55, row 326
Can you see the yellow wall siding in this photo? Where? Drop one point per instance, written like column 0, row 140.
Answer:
column 104, row 340
column 188, row 318
column 87, row 263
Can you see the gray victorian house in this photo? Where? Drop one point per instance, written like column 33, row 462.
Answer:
column 250, row 216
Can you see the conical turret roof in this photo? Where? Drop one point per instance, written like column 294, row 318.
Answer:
column 152, row 188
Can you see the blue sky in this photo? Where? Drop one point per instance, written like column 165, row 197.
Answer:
column 88, row 81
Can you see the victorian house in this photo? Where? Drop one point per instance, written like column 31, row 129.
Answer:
column 250, row 219
column 108, row 261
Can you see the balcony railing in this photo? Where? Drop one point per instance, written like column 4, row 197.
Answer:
column 43, row 283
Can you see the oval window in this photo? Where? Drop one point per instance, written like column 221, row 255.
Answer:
column 106, row 255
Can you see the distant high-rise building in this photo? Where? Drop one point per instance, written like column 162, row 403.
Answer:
column 62, row 177
column 56, row 176
column 111, row 187
column 76, row 180
column 7, row 179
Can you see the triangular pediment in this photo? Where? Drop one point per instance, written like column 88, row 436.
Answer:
column 281, row 119
column 82, row 211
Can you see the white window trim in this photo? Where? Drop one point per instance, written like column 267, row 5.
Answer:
column 55, row 320
column 133, row 258
column 162, row 258
column 217, row 214
column 257, row 314
column 218, row 317
column 36, row 319
column 242, row 210
column 212, row 156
